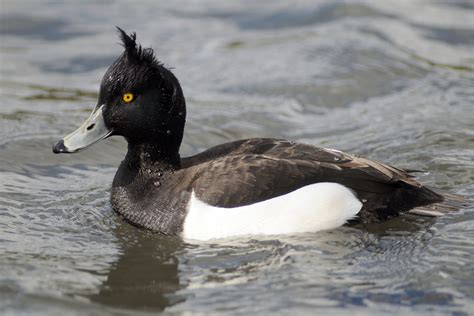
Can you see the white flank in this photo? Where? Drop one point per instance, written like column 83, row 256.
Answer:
column 312, row 208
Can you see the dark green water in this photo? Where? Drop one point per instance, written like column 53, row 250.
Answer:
column 393, row 80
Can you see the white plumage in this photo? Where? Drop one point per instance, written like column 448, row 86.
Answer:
column 311, row 208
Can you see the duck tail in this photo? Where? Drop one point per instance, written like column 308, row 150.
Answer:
column 450, row 203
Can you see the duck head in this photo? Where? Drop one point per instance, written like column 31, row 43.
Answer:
column 139, row 99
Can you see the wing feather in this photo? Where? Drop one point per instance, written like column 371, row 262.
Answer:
column 249, row 171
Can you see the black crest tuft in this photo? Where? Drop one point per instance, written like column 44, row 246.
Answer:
column 134, row 52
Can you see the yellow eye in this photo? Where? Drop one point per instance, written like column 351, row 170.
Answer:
column 128, row 97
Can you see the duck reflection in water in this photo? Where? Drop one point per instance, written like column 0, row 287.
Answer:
column 146, row 273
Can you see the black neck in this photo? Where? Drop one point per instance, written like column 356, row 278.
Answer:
column 153, row 157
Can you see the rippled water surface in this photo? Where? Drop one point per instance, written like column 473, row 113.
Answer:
column 390, row 80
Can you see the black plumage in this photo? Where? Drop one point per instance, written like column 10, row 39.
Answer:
column 153, row 184
column 249, row 171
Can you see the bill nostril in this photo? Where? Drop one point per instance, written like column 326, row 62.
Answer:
column 90, row 127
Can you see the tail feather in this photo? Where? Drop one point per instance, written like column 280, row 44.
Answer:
column 450, row 203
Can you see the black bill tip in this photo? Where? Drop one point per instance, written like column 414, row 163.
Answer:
column 59, row 147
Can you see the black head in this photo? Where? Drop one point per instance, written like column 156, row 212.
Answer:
column 139, row 99
column 157, row 109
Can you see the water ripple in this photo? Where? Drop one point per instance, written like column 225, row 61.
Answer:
column 393, row 82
